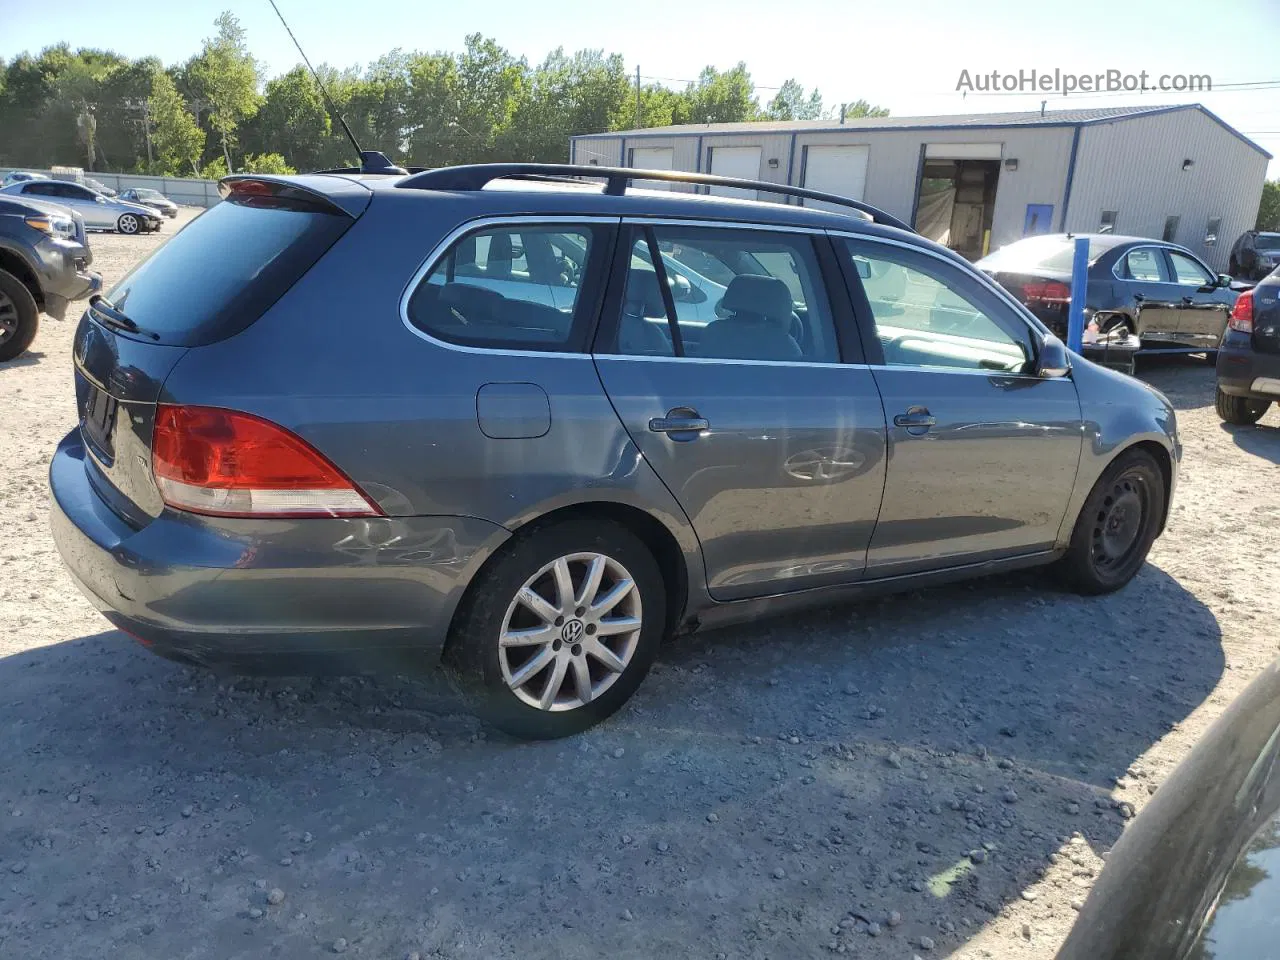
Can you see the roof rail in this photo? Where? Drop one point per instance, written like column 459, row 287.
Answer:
column 477, row 176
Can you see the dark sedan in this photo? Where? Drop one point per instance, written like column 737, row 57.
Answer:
column 1146, row 288
column 1249, row 357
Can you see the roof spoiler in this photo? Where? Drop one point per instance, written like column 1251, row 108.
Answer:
column 617, row 179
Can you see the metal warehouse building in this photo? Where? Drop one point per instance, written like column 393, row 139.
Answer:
column 978, row 182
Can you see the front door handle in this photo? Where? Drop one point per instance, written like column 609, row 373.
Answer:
column 1188, row 301
column 680, row 423
column 916, row 421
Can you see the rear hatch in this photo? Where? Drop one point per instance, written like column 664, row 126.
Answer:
column 209, row 282
column 1266, row 315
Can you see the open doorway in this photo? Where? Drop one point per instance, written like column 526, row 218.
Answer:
column 955, row 203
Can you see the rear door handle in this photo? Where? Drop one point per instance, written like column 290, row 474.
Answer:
column 1188, row 301
column 916, row 421
column 680, row 420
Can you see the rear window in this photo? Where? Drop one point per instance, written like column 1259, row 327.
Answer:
column 225, row 268
column 1040, row 253
column 1268, row 241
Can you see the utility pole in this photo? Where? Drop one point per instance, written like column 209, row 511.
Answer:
column 637, row 96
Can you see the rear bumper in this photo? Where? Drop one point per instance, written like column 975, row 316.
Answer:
column 281, row 596
column 1244, row 372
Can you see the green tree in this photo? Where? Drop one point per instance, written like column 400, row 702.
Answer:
column 716, row 97
column 176, row 140
column 1269, row 208
column 792, row 104
column 855, row 109
column 266, row 163
column 226, row 76
column 565, row 96
column 215, row 169
column 292, row 121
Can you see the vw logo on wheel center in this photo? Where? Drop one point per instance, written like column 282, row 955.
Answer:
column 571, row 632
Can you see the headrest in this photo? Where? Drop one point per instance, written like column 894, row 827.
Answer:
column 643, row 297
column 763, row 296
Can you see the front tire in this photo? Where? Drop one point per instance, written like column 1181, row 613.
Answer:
column 1241, row 411
column 19, row 317
column 128, row 224
column 1117, row 525
column 558, row 631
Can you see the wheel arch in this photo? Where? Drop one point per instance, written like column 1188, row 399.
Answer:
column 677, row 564
column 14, row 263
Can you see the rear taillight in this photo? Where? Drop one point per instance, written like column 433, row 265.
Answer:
column 1242, row 313
column 1047, row 291
column 230, row 464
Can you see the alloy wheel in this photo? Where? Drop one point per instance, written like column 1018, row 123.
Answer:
column 570, row 632
column 128, row 223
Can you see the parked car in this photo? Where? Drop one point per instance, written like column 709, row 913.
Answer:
column 97, row 186
column 151, row 198
column 1249, row 357
column 1255, row 254
column 538, row 495
column 44, row 263
column 1159, row 292
column 1193, row 876
column 99, row 212
column 21, row 176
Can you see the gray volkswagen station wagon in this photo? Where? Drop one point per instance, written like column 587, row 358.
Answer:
column 527, row 421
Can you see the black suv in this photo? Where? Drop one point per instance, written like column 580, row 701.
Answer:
column 44, row 264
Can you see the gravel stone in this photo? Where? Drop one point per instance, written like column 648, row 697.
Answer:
column 255, row 913
column 978, row 856
column 926, row 943
column 873, row 929
column 275, row 896
column 779, row 873
column 894, row 918
column 339, row 945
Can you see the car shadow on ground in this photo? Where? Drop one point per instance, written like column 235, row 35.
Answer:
column 1187, row 380
column 1261, row 440
column 768, row 783
column 28, row 359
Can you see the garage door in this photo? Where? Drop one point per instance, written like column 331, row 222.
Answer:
column 839, row 170
column 653, row 158
column 741, row 162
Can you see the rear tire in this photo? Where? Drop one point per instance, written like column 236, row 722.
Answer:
column 128, row 224
column 548, row 669
column 19, row 317
column 1117, row 525
column 1241, row 411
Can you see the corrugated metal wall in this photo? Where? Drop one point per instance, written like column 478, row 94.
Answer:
column 1135, row 168
column 892, row 166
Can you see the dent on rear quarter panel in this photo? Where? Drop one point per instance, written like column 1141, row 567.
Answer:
column 1117, row 412
column 333, row 361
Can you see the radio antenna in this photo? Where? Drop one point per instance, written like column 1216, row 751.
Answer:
column 371, row 161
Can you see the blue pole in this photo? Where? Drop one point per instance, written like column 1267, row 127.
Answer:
column 1079, row 284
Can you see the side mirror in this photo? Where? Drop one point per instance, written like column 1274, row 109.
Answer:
column 1225, row 280
column 1053, row 360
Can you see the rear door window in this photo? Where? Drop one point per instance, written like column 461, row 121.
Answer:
column 518, row 286
column 1146, row 264
column 219, row 274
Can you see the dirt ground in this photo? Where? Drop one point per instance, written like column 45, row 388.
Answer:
column 936, row 774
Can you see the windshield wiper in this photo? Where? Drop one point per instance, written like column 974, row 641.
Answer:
column 109, row 314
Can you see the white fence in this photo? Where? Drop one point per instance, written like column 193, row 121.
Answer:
column 186, row 191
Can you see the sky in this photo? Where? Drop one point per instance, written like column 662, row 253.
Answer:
column 907, row 56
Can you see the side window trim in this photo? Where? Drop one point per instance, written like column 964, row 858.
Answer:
column 664, row 289
column 990, row 302
column 587, row 313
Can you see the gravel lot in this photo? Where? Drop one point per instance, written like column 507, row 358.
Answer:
column 936, row 774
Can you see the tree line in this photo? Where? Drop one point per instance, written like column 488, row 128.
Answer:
column 217, row 113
